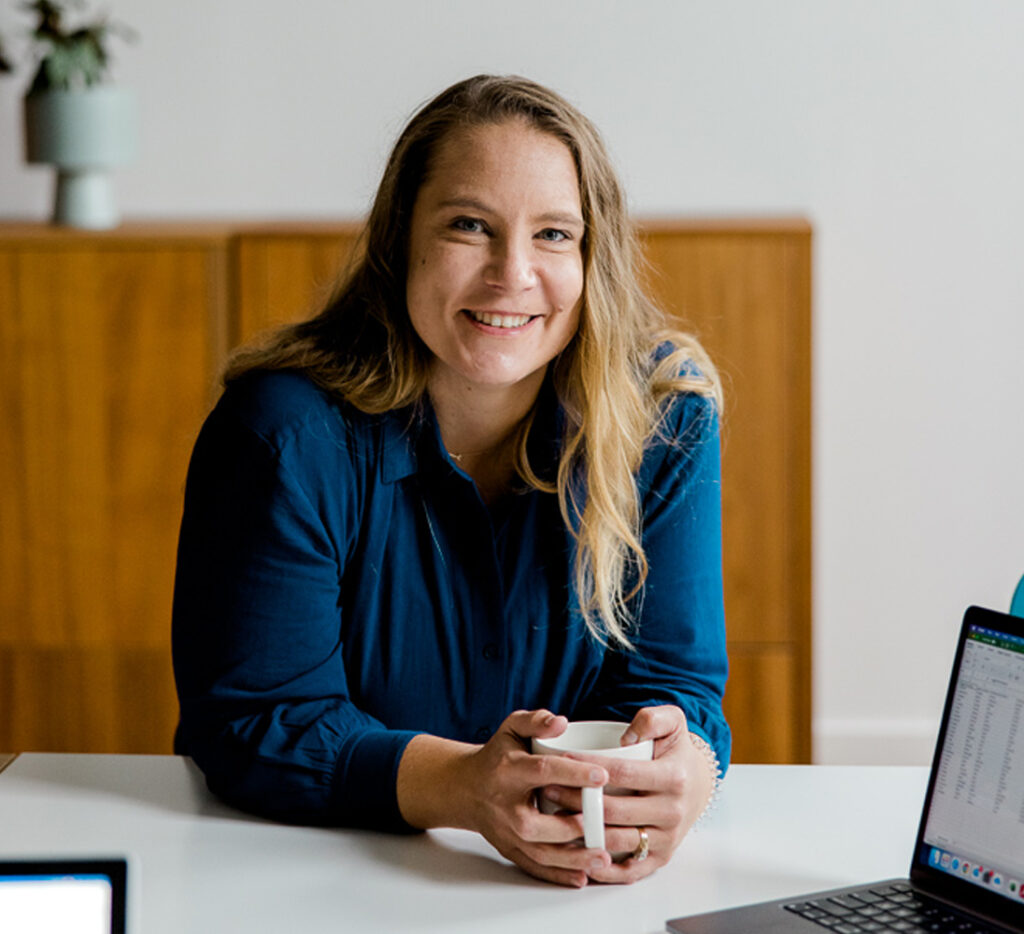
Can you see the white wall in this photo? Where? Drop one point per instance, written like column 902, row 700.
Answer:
column 895, row 126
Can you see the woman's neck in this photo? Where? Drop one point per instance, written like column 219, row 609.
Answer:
column 478, row 428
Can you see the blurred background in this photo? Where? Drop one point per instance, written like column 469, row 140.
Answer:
column 896, row 128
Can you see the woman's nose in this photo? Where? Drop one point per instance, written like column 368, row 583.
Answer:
column 511, row 265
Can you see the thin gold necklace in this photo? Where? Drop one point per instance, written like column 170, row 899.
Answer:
column 459, row 457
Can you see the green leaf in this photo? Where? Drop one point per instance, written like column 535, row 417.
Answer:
column 70, row 58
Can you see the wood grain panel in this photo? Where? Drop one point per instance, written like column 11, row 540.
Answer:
column 113, row 375
column 763, row 703
column 94, row 698
column 281, row 279
column 13, row 558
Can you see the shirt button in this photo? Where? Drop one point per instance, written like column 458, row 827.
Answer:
column 483, row 734
column 490, row 651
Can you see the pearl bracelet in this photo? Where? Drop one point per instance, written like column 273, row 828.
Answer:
column 711, row 757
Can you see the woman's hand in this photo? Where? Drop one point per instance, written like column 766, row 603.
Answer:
column 492, row 789
column 672, row 792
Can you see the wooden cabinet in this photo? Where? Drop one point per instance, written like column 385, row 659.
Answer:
column 745, row 290
column 110, row 348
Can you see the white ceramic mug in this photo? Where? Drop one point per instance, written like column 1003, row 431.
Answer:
column 592, row 738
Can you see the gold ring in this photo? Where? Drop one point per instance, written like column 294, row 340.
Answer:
column 643, row 847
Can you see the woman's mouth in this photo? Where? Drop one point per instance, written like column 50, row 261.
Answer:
column 498, row 320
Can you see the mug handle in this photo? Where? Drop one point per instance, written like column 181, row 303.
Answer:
column 593, row 818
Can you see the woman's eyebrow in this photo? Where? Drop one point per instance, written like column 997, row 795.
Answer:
column 471, row 203
column 559, row 217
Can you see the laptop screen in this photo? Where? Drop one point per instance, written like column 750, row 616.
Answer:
column 70, row 896
column 973, row 827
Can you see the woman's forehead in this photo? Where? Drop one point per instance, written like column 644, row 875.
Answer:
column 513, row 152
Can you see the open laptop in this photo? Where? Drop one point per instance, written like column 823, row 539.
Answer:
column 967, row 869
column 63, row 896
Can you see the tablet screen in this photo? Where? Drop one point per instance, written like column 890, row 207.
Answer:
column 77, row 897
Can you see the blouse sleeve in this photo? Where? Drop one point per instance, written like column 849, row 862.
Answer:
column 680, row 648
column 265, row 706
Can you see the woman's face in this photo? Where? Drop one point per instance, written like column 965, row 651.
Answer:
column 495, row 257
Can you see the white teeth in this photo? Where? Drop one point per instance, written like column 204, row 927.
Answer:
column 499, row 321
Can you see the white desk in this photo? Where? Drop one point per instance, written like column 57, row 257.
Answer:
column 778, row 830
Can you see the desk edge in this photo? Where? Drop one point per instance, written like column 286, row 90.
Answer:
column 6, row 758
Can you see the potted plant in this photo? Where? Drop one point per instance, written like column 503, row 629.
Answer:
column 74, row 119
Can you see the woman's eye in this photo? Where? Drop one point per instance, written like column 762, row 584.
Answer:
column 468, row 224
column 551, row 235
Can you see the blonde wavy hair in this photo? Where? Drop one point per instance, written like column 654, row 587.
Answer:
column 363, row 349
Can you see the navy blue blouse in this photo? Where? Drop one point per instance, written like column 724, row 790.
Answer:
column 341, row 587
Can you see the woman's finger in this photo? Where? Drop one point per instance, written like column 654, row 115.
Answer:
column 540, row 770
column 628, row 872
column 573, row 878
column 654, row 722
column 664, row 811
column 665, row 724
column 524, row 724
column 620, row 839
column 535, row 827
column 561, row 797
column 635, row 774
column 568, row 857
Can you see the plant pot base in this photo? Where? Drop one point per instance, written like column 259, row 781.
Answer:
column 85, row 198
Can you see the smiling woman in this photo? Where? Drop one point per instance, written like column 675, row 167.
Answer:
column 494, row 290
column 474, row 496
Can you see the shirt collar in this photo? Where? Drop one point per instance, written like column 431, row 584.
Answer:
column 398, row 437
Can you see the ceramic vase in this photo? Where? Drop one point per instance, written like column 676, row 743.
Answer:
column 84, row 133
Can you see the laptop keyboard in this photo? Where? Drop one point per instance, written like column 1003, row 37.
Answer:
column 885, row 908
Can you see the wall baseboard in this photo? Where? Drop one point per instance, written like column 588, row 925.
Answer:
column 889, row 741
